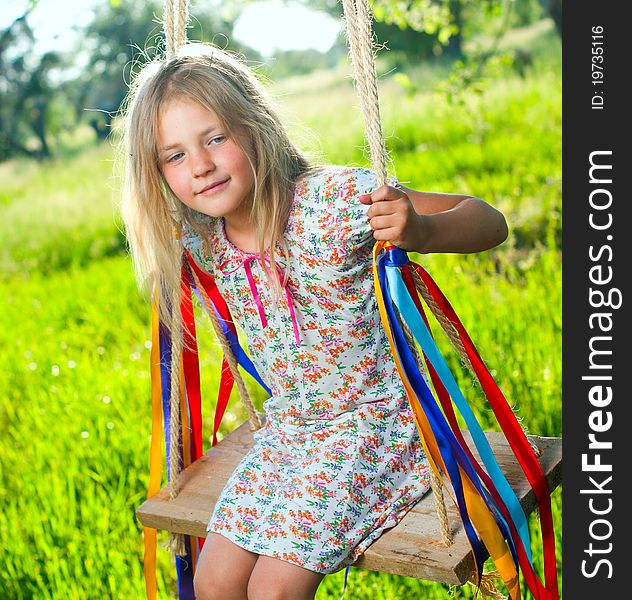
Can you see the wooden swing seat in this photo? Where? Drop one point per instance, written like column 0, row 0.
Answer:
column 413, row 548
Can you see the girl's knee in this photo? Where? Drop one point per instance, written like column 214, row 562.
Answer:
column 273, row 579
column 269, row 590
column 223, row 570
column 278, row 590
column 219, row 586
column 205, row 588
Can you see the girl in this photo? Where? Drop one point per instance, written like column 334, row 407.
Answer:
column 339, row 459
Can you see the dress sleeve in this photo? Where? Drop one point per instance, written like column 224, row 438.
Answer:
column 339, row 222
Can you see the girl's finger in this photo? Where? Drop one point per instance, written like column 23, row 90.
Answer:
column 385, row 235
column 385, row 192
column 380, row 209
column 391, row 206
column 381, row 222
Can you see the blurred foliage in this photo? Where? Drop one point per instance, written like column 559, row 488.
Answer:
column 460, row 34
column 288, row 63
column 124, row 34
column 428, row 28
column 43, row 97
column 553, row 9
column 26, row 92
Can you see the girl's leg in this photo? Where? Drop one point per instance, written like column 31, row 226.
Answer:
column 223, row 570
column 274, row 579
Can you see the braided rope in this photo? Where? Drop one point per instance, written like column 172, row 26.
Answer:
column 488, row 586
column 253, row 415
column 435, row 481
column 360, row 39
column 175, row 543
column 445, row 323
column 167, row 25
column 182, row 19
column 175, row 458
column 442, row 514
column 174, row 21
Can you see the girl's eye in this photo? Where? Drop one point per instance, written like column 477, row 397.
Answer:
column 174, row 157
column 218, row 139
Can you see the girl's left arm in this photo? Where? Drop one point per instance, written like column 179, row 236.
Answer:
column 427, row 222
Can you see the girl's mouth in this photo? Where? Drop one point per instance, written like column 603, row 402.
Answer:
column 213, row 187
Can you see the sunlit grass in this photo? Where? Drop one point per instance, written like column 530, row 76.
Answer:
column 59, row 213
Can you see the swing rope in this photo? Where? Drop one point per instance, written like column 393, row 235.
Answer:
column 360, row 39
column 361, row 45
column 175, row 17
column 244, row 395
column 174, row 22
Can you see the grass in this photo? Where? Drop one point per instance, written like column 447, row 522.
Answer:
column 74, row 407
column 58, row 215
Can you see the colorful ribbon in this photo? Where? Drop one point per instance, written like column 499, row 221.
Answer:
column 496, row 514
column 518, row 442
column 411, row 316
column 190, row 435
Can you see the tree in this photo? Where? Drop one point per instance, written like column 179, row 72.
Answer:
column 553, row 8
column 117, row 35
column 421, row 28
column 26, row 92
column 414, row 27
column 122, row 34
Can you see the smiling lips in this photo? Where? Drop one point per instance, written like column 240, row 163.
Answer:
column 213, row 186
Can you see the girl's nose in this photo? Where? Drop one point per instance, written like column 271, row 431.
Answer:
column 201, row 164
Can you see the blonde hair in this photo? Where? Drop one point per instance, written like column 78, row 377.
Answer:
column 220, row 82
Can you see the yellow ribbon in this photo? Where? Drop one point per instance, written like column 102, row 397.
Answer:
column 155, row 453
column 479, row 513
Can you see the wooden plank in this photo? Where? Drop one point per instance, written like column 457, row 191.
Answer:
column 413, row 548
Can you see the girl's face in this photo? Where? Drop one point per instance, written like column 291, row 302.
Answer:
column 203, row 167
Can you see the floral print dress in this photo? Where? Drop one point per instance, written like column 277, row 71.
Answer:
column 339, row 459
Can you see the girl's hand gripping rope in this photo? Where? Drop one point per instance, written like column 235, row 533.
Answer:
column 394, row 219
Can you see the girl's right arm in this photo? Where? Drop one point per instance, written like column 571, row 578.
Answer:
column 428, row 222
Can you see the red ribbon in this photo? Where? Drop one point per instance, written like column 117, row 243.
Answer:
column 517, row 440
column 226, row 379
column 191, row 364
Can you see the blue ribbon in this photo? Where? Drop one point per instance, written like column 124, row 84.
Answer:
column 447, row 443
column 344, row 587
column 164, row 338
column 184, row 570
column 184, row 564
column 242, row 358
column 412, row 317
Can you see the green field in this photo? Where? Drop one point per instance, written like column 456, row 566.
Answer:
column 74, row 380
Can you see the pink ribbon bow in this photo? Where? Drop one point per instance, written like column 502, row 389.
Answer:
column 245, row 262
